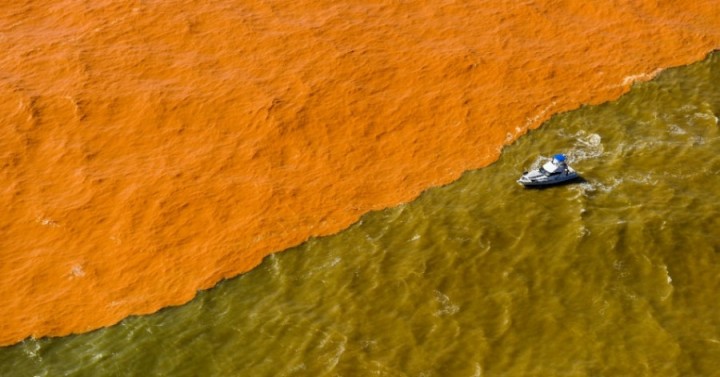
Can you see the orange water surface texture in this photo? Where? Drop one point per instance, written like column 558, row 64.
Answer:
column 149, row 149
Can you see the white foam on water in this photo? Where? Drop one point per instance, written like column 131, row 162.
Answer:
column 646, row 179
column 478, row 370
column 603, row 304
column 322, row 267
column 334, row 262
column 688, row 108
column 447, row 307
column 77, row 271
column 273, row 264
column 583, row 231
column 668, row 279
column 619, row 266
column 698, row 140
column 535, row 119
column 707, row 116
column 631, row 79
column 337, row 348
column 676, row 130
column 32, row 349
column 587, row 146
column 296, row 369
column 335, row 359
column 45, row 221
column 588, row 187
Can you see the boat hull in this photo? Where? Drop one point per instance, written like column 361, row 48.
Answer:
column 547, row 181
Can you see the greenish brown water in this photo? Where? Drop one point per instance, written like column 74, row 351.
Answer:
column 614, row 276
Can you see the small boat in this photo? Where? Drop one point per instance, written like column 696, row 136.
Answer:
column 552, row 172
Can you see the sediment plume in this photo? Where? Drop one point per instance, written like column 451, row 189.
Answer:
column 150, row 149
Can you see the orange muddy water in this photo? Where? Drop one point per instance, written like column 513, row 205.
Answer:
column 149, row 149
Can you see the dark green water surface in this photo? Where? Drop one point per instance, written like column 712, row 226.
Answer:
column 615, row 276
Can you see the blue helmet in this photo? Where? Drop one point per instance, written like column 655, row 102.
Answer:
column 559, row 157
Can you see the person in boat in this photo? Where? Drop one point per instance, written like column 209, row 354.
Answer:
column 563, row 167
